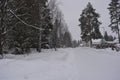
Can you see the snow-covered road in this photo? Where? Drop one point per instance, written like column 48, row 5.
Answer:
column 65, row 64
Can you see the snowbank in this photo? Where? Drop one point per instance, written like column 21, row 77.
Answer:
column 98, row 41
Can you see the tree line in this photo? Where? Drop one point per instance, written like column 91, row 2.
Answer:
column 90, row 24
column 37, row 24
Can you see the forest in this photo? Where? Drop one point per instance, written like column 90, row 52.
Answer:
column 38, row 24
column 32, row 24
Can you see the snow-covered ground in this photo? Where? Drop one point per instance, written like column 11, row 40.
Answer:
column 65, row 64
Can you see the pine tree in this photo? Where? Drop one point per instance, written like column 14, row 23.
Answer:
column 47, row 26
column 22, row 36
column 106, row 37
column 89, row 24
column 67, row 39
column 54, row 35
column 35, row 14
column 3, row 24
column 111, row 38
column 114, row 8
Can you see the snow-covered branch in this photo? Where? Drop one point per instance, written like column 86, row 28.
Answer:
column 25, row 22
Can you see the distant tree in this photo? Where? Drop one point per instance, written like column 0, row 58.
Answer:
column 114, row 11
column 89, row 24
column 114, row 37
column 67, row 39
column 76, row 43
column 59, row 25
column 111, row 38
column 106, row 37
column 54, row 35
column 56, row 21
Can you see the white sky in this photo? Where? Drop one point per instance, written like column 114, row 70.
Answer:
column 73, row 8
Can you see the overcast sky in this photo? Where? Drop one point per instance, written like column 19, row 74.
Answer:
column 73, row 8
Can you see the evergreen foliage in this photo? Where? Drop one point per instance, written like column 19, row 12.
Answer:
column 26, row 24
column 114, row 11
column 89, row 24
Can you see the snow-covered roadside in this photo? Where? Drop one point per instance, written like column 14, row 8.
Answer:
column 65, row 64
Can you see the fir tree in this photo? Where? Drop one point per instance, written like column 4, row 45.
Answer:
column 3, row 24
column 67, row 39
column 106, row 37
column 111, row 38
column 114, row 11
column 89, row 24
column 47, row 26
column 27, row 19
column 22, row 36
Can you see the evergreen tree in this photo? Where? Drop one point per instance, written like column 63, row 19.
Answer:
column 47, row 26
column 67, row 39
column 34, row 13
column 114, row 8
column 55, row 34
column 22, row 36
column 111, row 38
column 74, row 44
column 106, row 37
column 3, row 24
column 89, row 24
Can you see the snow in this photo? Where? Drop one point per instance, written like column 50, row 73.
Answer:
column 65, row 64
column 98, row 41
column 116, row 41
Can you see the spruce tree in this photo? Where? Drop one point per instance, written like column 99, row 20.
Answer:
column 106, row 37
column 33, row 12
column 114, row 11
column 89, row 24
column 67, row 39
column 3, row 24
column 47, row 26
column 22, row 36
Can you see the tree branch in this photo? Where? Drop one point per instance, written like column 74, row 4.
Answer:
column 24, row 21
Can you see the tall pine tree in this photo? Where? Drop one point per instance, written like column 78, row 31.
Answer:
column 114, row 8
column 3, row 24
column 89, row 24
column 106, row 37
column 33, row 13
column 22, row 36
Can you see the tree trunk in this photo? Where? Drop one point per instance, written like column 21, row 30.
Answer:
column 90, row 41
column 40, row 26
column 39, row 45
column 1, row 26
column 55, row 48
column 90, row 37
column 1, row 52
column 119, row 36
column 118, row 33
